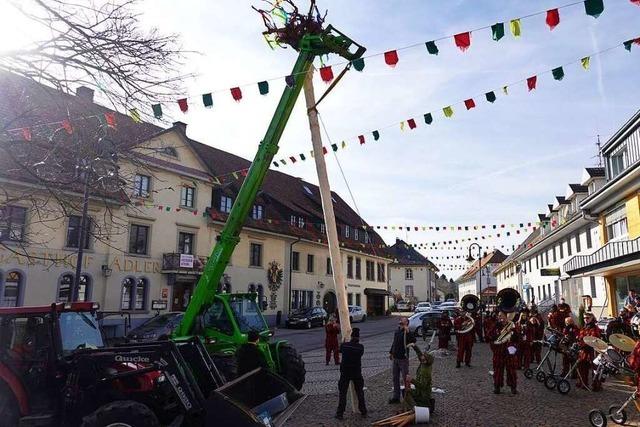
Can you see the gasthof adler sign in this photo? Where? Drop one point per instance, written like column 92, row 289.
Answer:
column 550, row 272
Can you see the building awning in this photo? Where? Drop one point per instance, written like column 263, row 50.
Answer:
column 611, row 256
column 376, row 292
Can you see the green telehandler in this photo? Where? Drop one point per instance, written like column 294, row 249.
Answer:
column 223, row 320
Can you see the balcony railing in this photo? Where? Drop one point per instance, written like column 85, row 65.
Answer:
column 179, row 263
column 607, row 255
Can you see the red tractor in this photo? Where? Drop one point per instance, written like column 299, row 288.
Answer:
column 56, row 371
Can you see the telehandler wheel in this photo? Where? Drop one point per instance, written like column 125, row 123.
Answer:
column 123, row 413
column 291, row 365
column 8, row 407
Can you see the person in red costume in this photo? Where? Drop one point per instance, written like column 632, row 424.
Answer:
column 556, row 319
column 444, row 330
column 331, row 344
column 505, row 356
column 464, row 340
column 538, row 322
column 527, row 332
column 570, row 336
column 586, row 353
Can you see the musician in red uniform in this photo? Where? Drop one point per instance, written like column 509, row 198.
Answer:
column 556, row 319
column 527, row 331
column 586, row 353
column 504, row 356
column 444, row 330
column 570, row 336
column 331, row 344
column 478, row 327
column 538, row 322
column 634, row 363
column 464, row 341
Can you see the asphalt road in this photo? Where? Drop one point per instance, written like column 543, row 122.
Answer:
column 312, row 339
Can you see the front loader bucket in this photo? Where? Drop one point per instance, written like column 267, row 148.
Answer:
column 247, row 400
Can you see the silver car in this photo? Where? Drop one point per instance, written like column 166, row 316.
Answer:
column 357, row 314
column 416, row 322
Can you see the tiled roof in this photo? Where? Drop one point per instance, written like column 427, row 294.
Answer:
column 561, row 200
column 595, row 172
column 578, row 188
column 405, row 254
column 493, row 257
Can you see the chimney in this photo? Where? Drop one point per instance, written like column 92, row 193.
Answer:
column 181, row 126
column 85, row 93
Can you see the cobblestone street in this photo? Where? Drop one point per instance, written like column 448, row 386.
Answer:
column 468, row 399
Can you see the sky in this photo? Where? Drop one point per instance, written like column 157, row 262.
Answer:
column 498, row 163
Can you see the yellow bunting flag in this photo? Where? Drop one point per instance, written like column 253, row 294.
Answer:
column 505, row 90
column 344, row 144
column 515, row 27
column 235, row 175
column 585, row 62
column 448, row 111
column 135, row 115
column 402, row 126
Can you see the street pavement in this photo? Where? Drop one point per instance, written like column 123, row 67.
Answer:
column 467, row 399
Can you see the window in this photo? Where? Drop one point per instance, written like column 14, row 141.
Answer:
column 255, row 256
column 323, row 228
column 381, row 275
column 370, row 267
column 134, row 293
column 549, row 289
column 170, row 151
column 561, row 245
column 300, row 222
column 546, row 257
column 141, row 184
column 554, row 254
column 64, row 288
column 257, row 212
column 139, row 239
column 225, row 204
column 12, row 290
column 589, row 243
column 616, row 222
column 408, row 274
column 301, row 299
column 537, row 266
column 578, row 242
column 347, row 231
column 592, row 281
column 358, row 268
column 350, row 298
column 65, row 284
column 408, row 291
column 366, row 237
column 350, row 267
column 292, row 220
column 569, row 246
column 356, row 234
column 329, row 267
column 309, row 263
column 185, row 243
column 616, row 163
column 140, row 296
column 358, row 299
column 12, row 223
column 73, row 232
column 126, row 302
column 295, row 261
column 187, row 196
column 539, row 294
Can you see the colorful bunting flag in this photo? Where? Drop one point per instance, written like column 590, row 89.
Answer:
column 469, row 103
column 402, row 125
column 26, row 134
column 276, row 164
column 586, row 61
column 182, row 103
column 344, row 144
column 283, row 161
column 553, row 18
column 334, row 147
column 324, row 150
column 497, row 31
column 235, row 174
column 505, row 90
column 290, row 80
column 293, row 159
column 594, row 7
column 491, row 97
column 110, row 118
column 236, row 93
column 263, row 87
column 391, row 58
column 133, row 113
column 376, row 135
column 432, row 48
column 463, row 40
column 302, row 157
column 558, row 73
column 627, row 45
column 636, row 2
column 531, row 83
column 515, row 27
column 326, row 74
column 411, row 123
column 358, row 64
column 428, row 119
column 448, row 111
column 207, row 100
column 157, row 111
column 361, row 139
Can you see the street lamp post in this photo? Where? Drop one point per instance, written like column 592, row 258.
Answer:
column 470, row 259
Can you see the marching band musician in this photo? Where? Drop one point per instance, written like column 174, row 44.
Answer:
column 556, row 318
column 634, row 363
column 527, row 331
column 570, row 334
column 538, row 322
column 478, row 327
column 464, row 341
column 444, row 330
column 586, row 353
column 504, row 356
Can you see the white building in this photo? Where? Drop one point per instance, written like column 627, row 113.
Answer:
column 478, row 279
column 411, row 274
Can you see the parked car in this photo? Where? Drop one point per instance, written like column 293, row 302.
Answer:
column 452, row 310
column 415, row 322
column 157, row 327
column 307, row 318
column 403, row 306
column 423, row 306
column 448, row 304
column 357, row 314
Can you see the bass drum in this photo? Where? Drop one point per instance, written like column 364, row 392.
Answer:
column 635, row 325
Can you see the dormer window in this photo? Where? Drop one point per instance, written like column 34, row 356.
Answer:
column 308, row 190
column 170, row 151
column 347, row 231
column 356, row 234
column 225, row 204
column 616, row 163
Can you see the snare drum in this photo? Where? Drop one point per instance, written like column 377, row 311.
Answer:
column 615, row 357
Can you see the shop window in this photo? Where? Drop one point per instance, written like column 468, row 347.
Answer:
column 12, row 289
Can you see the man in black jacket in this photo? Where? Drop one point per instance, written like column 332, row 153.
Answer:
column 249, row 356
column 351, row 370
column 399, row 354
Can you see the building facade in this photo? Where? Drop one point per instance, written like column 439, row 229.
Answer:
column 479, row 279
column 411, row 274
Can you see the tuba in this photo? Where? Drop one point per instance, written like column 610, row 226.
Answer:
column 469, row 304
column 508, row 301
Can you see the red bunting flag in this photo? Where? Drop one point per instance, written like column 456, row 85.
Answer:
column 324, row 150
column 411, row 123
column 531, row 82
column 361, row 139
column 110, row 118
column 293, row 159
column 326, row 73
column 463, row 40
column 553, row 18
column 182, row 103
column 391, row 58
column 236, row 93
column 637, row 2
column 26, row 134
column 66, row 124
column 244, row 172
column 469, row 103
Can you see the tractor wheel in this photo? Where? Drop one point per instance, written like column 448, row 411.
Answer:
column 8, row 407
column 227, row 365
column 291, row 365
column 123, row 413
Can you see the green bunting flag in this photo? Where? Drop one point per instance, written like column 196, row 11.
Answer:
column 157, row 111
column 283, row 161
column 594, row 7
column 515, row 27
column 428, row 119
column 491, row 96
column 432, row 48
column 263, row 87
column 276, row 164
column 207, row 100
column 497, row 31
column 585, row 62
column 558, row 73
column 628, row 43
column 376, row 135
column 302, row 157
column 334, row 147
column 358, row 64
column 448, row 111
